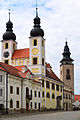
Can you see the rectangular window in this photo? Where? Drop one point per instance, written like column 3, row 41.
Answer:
column 63, row 95
column 61, row 88
column 43, row 94
column 53, row 86
column 35, row 42
column 42, row 43
column 35, row 105
column 66, row 96
column 42, row 61
column 6, row 61
column 69, row 96
column 35, row 93
column 17, row 104
column 57, row 87
column 1, row 92
column 47, row 84
column 0, row 78
column 39, row 94
column 17, row 90
column 42, row 83
column 11, row 89
column 31, row 93
column 31, row 105
column 34, row 61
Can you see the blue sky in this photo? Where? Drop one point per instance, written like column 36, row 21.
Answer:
column 59, row 19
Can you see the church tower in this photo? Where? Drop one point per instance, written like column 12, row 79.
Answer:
column 8, row 43
column 37, row 48
column 67, row 68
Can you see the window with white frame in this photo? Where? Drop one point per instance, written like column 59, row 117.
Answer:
column 1, row 92
column 0, row 78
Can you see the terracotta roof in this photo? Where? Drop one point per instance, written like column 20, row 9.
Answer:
column 20, row 70
column 48, row 65
column 10, row 69
column 21, row 53
column 77, row 97
column 1, row 68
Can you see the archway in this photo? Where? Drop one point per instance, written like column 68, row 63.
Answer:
column 1, row 108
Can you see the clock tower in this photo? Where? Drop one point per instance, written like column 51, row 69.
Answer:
column 37, row 48
column 67, row 68
column 8, row 43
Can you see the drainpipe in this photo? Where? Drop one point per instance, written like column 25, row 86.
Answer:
column 7, row 93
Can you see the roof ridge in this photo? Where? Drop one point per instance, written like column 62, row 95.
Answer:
column 22, row 49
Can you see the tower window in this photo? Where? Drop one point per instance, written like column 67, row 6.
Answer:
column 42, row 43
column 6, row 45
column 68, row 74
column 34, row 61
column 6, row 61
column 35, row 42
column 14, row 46
column 42, row 61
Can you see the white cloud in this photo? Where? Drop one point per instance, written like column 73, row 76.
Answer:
column 59, row 19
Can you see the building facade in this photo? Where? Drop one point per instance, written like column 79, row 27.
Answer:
column 45, row 88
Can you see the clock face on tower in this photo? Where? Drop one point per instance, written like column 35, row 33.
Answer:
column 6, row 54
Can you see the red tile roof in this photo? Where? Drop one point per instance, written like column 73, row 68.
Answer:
column 20, row 71
column 10, row 69
column 21, row 53
column 50, row 73
column 1, row 68
column 77, row 97
column 48, row 65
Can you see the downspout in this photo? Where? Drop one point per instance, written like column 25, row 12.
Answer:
column 7, row 93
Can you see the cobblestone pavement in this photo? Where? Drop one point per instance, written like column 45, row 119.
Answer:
column 71, row 115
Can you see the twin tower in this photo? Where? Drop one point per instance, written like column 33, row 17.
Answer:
column 36, row 52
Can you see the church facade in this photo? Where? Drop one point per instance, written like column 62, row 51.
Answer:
column 52, row 89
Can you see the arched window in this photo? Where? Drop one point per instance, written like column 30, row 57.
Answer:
column 68, row 71
column 68, row 74
column 35, row 42
column 6, row 45
column 53, row 96
column 11, row 103
column 48, row 95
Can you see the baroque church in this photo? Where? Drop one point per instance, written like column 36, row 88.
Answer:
column 27, row 81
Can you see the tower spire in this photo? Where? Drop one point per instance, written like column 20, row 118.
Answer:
column 36, row 9
column 9, row 14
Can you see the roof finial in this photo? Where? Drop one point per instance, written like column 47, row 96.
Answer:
column 66, row 41
column 36, row 9
column 9, row 14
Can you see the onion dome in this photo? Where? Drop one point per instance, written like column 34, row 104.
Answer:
column 9, row 35
column 66, row 54
column 36, row 31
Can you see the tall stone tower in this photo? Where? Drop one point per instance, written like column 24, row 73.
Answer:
column 67, row 68
column 37, row 48
column 8, row 43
